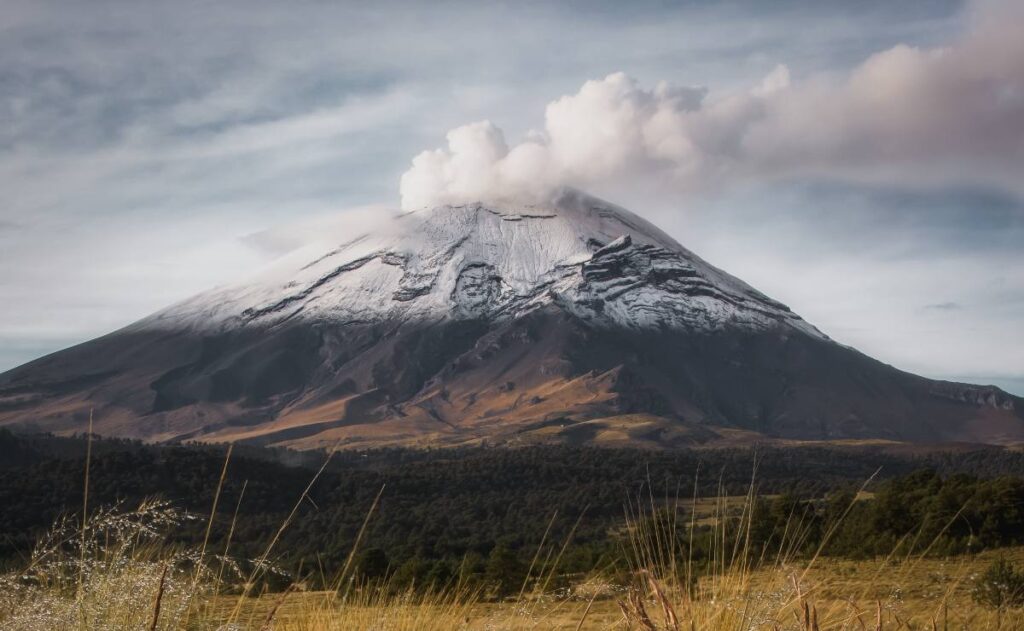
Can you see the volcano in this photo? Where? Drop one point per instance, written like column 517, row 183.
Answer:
column 574, row 321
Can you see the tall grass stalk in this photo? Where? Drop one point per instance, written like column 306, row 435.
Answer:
column 113, row 569
column 740, row 588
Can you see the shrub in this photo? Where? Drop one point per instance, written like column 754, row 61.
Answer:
column 1001, row 586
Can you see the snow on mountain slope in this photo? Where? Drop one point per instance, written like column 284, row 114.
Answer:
column 575, row 321
column 592, row 258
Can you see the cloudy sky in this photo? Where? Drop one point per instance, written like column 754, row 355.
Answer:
column 862, row 162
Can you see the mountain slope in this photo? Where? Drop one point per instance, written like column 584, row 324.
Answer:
column 575, row 322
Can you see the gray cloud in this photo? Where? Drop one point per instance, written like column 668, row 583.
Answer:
column 951, row 114
column 944, row 306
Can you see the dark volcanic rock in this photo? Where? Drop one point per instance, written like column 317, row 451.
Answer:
column 579, row 322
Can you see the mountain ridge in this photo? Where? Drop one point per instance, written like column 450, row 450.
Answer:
column 573, row 322
column 423, row 258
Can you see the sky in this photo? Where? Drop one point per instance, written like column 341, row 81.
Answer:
column 861, row 162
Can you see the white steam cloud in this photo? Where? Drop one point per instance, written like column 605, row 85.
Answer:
column 906, row 115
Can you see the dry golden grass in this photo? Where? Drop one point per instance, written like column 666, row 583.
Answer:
column 128, row 580
column 747, row 589
column 114, row 571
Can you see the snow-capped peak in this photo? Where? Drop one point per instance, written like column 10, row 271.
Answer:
column 593, row 259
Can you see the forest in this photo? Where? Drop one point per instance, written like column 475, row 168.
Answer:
column 481, row 512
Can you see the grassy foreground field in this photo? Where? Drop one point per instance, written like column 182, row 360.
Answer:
column 704, row 563
column 115, row 573
column 911, row 594
column 914, row 594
